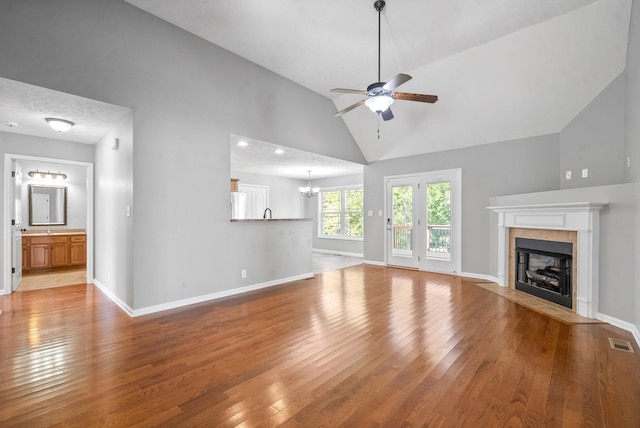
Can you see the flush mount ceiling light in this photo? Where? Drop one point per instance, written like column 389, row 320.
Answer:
column 47, row 175
column 308, row 191
column 60, row 125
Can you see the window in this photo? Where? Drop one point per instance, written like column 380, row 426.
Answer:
column 341, row 213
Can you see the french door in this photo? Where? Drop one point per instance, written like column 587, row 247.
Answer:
column 402, row 221
column 423, row 221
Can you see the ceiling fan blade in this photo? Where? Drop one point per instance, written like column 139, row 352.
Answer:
column 348, row 109
column 387, row 114
column 350, row 91
column 415, row 97
column 396, row 81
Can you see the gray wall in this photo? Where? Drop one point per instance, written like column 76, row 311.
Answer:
column 633, row 132
column 594, row 139
column 338, row 246
column 113, row 228
column 527, row 165
column 284, row 196
column 174, row 82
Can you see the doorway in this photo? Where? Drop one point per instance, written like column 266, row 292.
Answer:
column 423, row 222
column 14, row 205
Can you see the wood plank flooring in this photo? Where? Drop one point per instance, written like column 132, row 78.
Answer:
column 362, row 346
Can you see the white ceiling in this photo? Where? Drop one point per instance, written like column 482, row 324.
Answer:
column 260, row 157
column 503, row 69
column 27, row 106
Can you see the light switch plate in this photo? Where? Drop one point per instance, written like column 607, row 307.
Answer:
column 567, row 175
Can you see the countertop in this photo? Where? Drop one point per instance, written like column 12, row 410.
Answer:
column 53, row 232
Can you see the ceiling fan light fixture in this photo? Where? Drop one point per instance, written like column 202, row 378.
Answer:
column 379, row 103
column 60, row 125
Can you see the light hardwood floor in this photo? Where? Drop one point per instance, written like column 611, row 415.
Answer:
column 362, row 346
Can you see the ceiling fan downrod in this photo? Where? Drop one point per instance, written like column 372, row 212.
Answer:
column 379, row 6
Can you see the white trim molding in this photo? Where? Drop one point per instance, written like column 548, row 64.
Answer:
column 581, row 217
column 198, row 299
column 339, row 253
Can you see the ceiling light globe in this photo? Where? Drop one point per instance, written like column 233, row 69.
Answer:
column 379, row 103
column 60, row 125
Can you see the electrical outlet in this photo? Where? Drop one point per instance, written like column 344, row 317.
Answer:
column 567, row 175
column 243, row 273
column 585, row 172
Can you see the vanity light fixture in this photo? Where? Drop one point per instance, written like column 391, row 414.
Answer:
column 47, row 175
column 308, row 191
column 60, row 125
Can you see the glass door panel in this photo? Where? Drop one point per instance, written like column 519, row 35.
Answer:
column 438, row 239
column 401, row 222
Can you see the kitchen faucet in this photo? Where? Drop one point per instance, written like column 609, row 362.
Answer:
column 265, row 213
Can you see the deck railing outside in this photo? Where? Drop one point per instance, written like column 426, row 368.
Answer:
column 438, row 238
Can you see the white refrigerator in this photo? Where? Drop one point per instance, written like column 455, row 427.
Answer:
column 238, row 205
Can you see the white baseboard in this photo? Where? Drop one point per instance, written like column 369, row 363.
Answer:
column 621, row 324
column 218, row 295
column 115, row 299
column 339, row 253
column 373, row 262
column 479, row 276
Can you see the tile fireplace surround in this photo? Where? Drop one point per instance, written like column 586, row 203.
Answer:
column 581, row 217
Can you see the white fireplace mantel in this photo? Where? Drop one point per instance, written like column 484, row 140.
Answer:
column 582, row 217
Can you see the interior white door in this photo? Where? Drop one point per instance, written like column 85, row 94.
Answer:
column 40, row 207
column 403, row 237
column 257, row 199
column 16, row 227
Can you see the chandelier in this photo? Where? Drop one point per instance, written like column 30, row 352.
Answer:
column 308, row 191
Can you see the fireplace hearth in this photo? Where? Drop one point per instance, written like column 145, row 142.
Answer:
column 544, row 269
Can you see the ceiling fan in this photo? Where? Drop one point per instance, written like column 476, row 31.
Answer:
column 380, row 95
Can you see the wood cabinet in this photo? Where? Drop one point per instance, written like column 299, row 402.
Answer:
column 53, row 252
column 78, row 250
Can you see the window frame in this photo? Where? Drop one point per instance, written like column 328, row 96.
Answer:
column 343, row 212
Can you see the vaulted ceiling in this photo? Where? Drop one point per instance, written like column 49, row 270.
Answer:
column 503, row 69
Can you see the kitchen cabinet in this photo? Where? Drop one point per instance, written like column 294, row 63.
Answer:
column 44, row 253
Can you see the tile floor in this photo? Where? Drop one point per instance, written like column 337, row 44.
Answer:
column 50, row 280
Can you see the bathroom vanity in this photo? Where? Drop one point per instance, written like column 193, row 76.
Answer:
column 49, row 251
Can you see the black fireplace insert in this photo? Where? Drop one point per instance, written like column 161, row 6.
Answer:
column 543, row 268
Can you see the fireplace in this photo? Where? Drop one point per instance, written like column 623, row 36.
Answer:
column 544, row 269
column 581, row 218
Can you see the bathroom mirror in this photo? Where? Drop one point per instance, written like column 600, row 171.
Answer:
column 47, row 205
